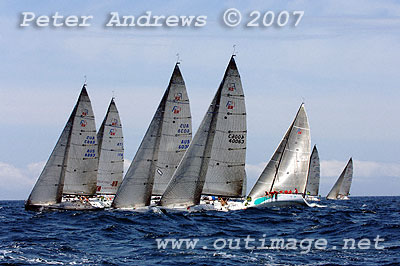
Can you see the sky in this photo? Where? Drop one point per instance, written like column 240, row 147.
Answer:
column 341, row 60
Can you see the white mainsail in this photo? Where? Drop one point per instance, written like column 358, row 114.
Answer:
column 50, row 184
column 314, row 174
column 162, row 147
column 111, row 152
column 288, row 167
column 216, row 155
column 342, row 185
column 82, row 160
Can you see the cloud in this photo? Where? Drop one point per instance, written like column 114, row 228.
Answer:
column 361, row 168
column 17, row 182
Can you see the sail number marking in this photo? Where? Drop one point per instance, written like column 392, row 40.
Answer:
column 236, row 138
column 90, row 153
column 184, row 144
column 184, row 128
column 89, row 140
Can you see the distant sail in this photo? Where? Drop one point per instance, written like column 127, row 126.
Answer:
column 82, row 160
column 111, row 152
column 312, row 187
column 162, row 147
column 212, row 140
column 288, row 167
column 342, row 185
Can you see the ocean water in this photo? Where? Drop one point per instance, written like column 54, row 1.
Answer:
column 114, row 237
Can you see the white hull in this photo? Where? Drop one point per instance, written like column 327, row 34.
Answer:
column 282, row 200
column 312, row 198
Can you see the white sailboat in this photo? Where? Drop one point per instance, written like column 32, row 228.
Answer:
column 314, row 175
column 111, row 156
column 71, row 170
column 165, row 142
column 283, row 181
column 214, row 164
column 341, row 189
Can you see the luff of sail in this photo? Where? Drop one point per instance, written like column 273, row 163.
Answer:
column 111, row 152
column 161, row 149
column 226, row 175
column 187, row 183
column 342, row 185
column 314, row 174
column 81, row 154
column 288, row 167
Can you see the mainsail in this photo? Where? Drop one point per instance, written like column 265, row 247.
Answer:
column 288, row 167
column 313, row 178
column 162, row 147
column 50, row 184
column 217, row 154
column 342, row 185
column 81, row 153
column 111, row 152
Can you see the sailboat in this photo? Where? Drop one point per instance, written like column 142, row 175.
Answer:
column 111, row 156
column 314, row 174
column 71, row 170
column 162, row 147
column 341, row 188
column 214, row 164
column 283, row 181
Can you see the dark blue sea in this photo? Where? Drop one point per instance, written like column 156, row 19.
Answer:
column 280, row 236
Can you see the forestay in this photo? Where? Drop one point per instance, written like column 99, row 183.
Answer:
column 111, row 152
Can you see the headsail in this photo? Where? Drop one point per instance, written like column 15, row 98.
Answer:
column 82, row 160
column 111, row 152
column 207, row 149
column 49, row 186
column 342, row 185
column 288, row 167
column 164, row 143
column 313, row 178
